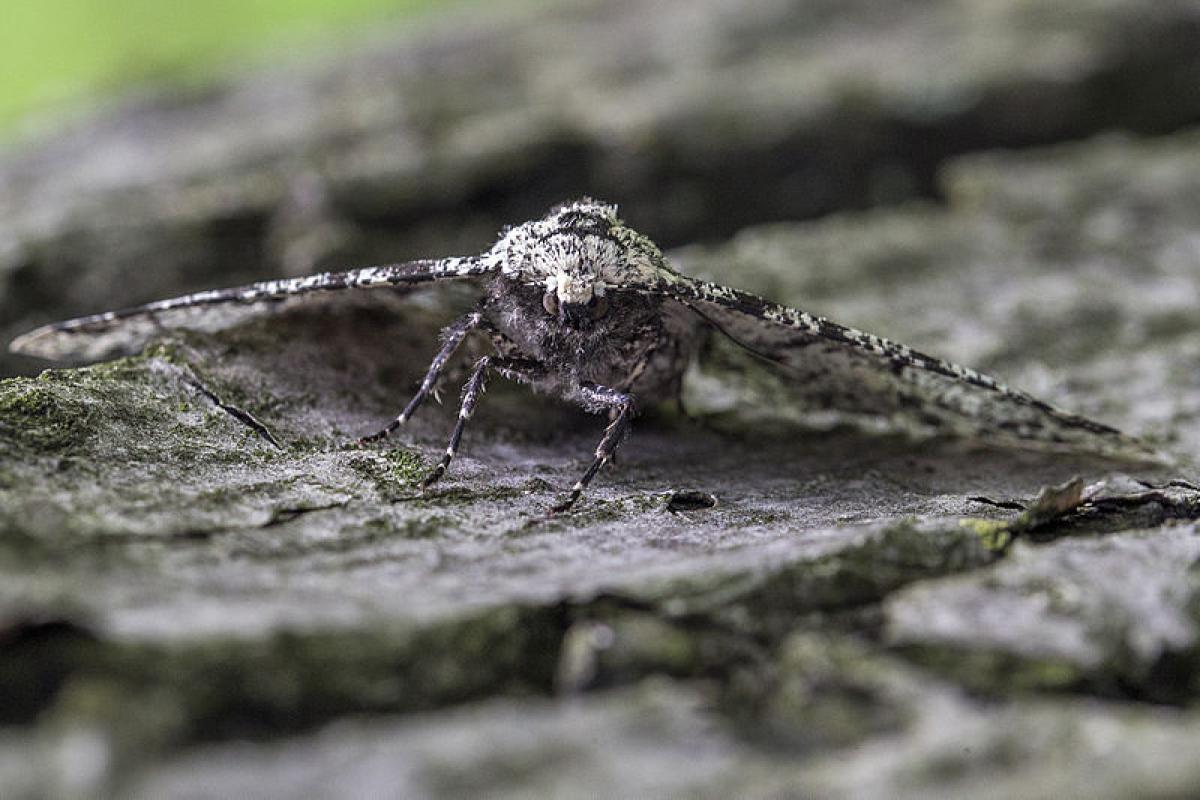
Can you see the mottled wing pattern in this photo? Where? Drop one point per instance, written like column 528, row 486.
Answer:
column 843, row 369
column 98, row 336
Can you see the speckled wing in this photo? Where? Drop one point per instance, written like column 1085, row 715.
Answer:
column 833, row 367
column 99, row 336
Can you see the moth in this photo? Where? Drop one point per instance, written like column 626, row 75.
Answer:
column 579, row 306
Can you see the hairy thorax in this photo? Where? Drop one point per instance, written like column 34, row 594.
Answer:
column 632, row 347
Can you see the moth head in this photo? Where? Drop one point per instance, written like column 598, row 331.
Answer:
column 575, row 255
column 575, row 298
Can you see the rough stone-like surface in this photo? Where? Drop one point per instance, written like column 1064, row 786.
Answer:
column 1046, row 619
column 698, row 116
column 205, row 589
column 900, row 736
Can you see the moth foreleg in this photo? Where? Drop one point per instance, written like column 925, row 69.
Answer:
column 515, row 369
column 452, row 338
column 625, row 406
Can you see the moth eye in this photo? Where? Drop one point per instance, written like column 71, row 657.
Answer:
column 550, row 303
column 599, row 307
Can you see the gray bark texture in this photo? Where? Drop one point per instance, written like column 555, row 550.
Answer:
column 192, row 607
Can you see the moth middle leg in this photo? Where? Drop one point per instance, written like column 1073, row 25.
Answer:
column 522, row 370
column 622, row 406
column 452, row 337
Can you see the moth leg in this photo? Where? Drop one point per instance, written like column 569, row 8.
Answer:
column 515, row 369
column 452, row 337
column 625, row 406
column 625, row 385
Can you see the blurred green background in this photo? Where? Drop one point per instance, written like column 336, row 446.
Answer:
column 56, row 51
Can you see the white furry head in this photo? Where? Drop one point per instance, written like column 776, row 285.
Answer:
column 578, row 251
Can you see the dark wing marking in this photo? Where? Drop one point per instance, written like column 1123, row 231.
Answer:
column 840, row 368
column 100, row 335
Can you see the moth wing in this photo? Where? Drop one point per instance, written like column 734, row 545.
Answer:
column 834, row 367
column 99, row 336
